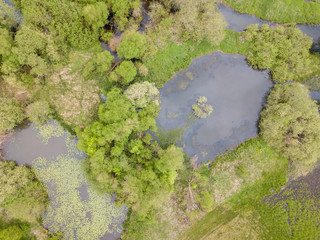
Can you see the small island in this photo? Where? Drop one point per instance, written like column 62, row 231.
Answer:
column 201, row 109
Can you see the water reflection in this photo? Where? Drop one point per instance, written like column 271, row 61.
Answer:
column 235, row 91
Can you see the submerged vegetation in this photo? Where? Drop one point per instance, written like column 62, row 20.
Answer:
column 53, row 66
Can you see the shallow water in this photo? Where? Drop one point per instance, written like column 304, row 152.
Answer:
column 26, row 145
column 57, row 162
column 239, row 21
column 236, row 92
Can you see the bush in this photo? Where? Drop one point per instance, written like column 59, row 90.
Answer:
column 291, row 122
column 284, row 50
column 11, row 114
column 39, row 112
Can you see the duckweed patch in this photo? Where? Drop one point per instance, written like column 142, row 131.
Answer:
column 77, row 215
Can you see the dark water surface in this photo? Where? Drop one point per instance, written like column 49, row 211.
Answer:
column 235, row 91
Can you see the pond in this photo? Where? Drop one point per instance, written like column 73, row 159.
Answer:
column 236, row 92
column 74, row 208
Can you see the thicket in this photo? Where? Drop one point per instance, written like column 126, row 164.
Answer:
column 123, row 158
column 283, row 50
column 291, row 123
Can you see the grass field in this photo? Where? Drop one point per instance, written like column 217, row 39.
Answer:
column 280, row 11
column 259, row 169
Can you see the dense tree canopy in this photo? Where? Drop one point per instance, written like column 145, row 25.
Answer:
column 39, row 112
column 291, row 122
column 284, row 50
column 124, row 159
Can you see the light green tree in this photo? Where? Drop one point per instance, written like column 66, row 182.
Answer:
column 21, row 193
column 291, row 123
column 11, row 114
column 132, row 46
column 124, row 73
column 141, row 94
column 283, row 50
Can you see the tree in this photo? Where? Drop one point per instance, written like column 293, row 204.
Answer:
column 124, row 73
column 5, row 43
column 39, row 112
column 98, row 65
column 132, row 46
column 283, row 50
column 11, row 114
column 96, row 15
column 182, row 20
column 11, row 233
column 123, row 158
column 291, row 123
column 201, row 109
column 141, row 94
column 21, row 193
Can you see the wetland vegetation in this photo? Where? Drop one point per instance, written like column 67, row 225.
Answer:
column 120, row 144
